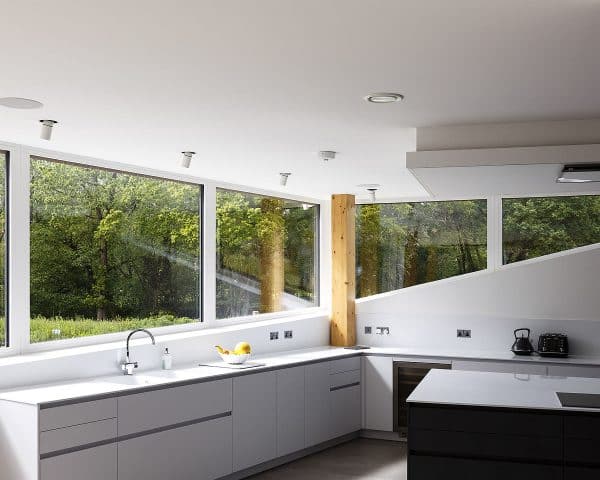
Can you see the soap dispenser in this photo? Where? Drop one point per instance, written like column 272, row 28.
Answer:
column 167, row 360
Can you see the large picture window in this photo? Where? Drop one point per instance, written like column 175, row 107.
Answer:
column 266, row 254
column 111, row 251
column 3, row 259
column 532, row 227
column 404, row 244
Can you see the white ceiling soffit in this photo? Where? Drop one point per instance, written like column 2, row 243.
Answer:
column 501, row 171
column 259, row 87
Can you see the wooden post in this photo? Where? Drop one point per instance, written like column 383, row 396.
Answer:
column 343, row 319
column 271, row 236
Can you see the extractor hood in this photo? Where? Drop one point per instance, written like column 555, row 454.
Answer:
column 580, row 173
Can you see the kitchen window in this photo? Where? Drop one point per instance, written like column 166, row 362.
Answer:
column 110, row 251
column 399, row 245
column 532, row 227
column 267, row 257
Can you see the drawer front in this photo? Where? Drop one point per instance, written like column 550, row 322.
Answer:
column 577, row 473
column 98, row 463
column 63, row 438
column 574, row 371
column 161, row 408
column 345, row 410
column 344, row 365
column 344, row 379
column 582, row 450
column 485, row 421
column 436, row 468
column 77, row 413
column 487, row 445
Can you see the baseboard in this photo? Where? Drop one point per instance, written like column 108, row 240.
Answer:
column 276, row 462
column 383, row 435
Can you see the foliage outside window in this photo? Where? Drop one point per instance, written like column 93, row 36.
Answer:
column 532, row 227
column 110, row 251
column 3, row 235
column 266, row 254
column 404, row 244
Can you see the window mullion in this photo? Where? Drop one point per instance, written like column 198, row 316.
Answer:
column 209, row 255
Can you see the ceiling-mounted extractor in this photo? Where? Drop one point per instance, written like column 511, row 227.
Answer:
column 580, row 173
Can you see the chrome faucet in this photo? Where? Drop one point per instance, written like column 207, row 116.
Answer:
column 128, row 366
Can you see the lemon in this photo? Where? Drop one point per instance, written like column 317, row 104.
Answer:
column 242, row 348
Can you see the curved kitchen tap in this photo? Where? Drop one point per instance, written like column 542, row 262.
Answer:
column 128, row 366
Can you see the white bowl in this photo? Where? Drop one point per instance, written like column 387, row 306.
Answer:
column 234, row 359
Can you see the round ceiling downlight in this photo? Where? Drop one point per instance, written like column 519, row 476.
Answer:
column 20, row 103
column 384, row 97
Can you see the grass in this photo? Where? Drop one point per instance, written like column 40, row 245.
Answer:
column 44, row 329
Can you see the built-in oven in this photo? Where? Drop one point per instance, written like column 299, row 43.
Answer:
column 407, row 376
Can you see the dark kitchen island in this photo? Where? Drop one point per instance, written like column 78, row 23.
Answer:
column 503, row 426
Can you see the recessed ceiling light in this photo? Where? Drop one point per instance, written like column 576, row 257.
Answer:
column 20, row 103
column 384, row 97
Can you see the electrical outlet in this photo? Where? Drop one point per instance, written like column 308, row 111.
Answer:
column 288, row 334
column 368, row 330
column 274, row 335
column 382, row 330
column 463, row 333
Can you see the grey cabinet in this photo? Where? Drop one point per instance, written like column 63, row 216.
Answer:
column 254, row 419
column 379, row 389
column 345, row 410
column 318, row 410
column 290, row 410
column 201, row 451
column 98, row 463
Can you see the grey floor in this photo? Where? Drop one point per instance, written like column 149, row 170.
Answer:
column 359, row 459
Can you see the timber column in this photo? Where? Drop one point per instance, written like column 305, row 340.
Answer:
column 343, row 267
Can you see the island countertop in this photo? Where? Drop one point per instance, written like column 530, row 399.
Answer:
column 505, row 390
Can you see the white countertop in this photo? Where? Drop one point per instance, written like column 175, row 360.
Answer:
column 118, row 383
column 507, row 390
column 491, row 355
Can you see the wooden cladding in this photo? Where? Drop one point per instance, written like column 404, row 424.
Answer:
column 343, row 319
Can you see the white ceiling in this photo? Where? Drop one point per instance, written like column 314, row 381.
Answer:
column 258, row 87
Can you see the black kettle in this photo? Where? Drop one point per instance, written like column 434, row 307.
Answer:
column 522, row 345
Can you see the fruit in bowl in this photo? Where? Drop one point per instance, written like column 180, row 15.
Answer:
column 239, row 355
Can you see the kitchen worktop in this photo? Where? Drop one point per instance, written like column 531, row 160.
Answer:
column 117, row 384
column 506, row 390
column 65, row 392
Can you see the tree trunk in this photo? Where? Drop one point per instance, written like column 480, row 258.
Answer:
column 271, row 234
column 101, row 280
column 411, row 266
column 370, row 223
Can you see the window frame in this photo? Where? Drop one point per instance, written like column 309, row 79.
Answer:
column 18, row 240
column 548, row 256
column 318, row 292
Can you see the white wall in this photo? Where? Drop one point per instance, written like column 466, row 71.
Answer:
column 187, row 348
column 555, row 293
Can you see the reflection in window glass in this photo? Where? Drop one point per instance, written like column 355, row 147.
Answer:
column 404, row 244
column 110, row 251
column 266, row 254
column 3, row 235
column 532, row 227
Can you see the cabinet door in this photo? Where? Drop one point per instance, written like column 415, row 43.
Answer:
column 201, row 451
column 290, row 410
column 379, row 393
column 345, row 410
column 254, row 419
column 98, row 463
column 318, row 412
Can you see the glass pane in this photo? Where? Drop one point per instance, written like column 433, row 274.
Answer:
column 110, row 251
column 403, row 244
column 532, row 227
column 3, row 235
column 266, row 254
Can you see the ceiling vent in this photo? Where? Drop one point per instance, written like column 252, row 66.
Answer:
column 580, row 173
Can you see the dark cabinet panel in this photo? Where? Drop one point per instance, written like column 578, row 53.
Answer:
column 578, row 473
column 443, row 468
column 582, row 439
column 505, row 447
column 485, row 421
